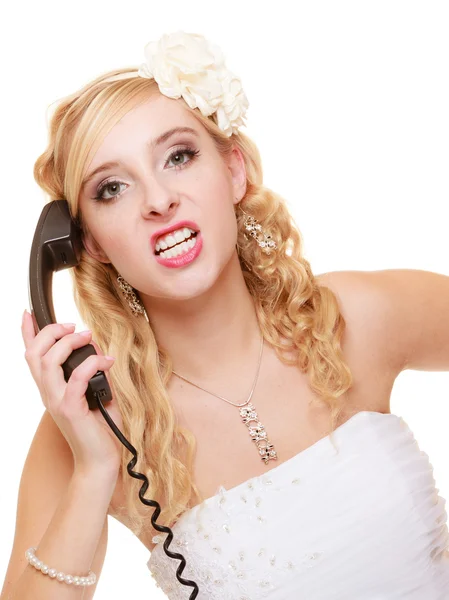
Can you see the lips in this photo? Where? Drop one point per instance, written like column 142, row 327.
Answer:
column 154, row 238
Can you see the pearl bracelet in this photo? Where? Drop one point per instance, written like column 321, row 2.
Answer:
column 59, row 575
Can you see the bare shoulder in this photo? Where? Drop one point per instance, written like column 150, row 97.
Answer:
column 358, row 294
column 367, row 342
column 404, row 309
column 361, row 303
column 359, row 297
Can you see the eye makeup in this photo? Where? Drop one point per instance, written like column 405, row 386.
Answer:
column 185, row 149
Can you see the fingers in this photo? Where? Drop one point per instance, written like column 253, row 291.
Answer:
column 63, row 348
column 74, row 396
column 51, row 373
column 100, row 353
column 36, row 345
column 97, row 347
column 50, row 348
column 47, row 350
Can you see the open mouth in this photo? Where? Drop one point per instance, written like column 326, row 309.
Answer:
column 191, row 236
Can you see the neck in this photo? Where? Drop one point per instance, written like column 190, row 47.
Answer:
column 212, row 338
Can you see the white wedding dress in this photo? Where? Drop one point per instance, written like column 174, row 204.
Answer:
column 366, row 523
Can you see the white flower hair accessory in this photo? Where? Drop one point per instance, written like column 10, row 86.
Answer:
column 189, row 66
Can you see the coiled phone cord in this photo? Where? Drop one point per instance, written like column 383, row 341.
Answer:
column 153, row 503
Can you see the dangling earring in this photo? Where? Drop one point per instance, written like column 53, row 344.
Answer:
column 255, row 230
column 134, row 303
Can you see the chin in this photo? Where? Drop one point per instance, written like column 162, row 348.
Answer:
column 196, row 282
column 194, row 285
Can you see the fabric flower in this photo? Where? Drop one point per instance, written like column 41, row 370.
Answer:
column 189, row 66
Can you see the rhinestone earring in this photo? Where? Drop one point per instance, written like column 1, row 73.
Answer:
column 134, row 303
column 255, row 230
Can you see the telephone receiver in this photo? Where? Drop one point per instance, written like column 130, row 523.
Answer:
column 57, row 245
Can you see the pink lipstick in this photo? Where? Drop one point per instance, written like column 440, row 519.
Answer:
column 183, row 259
column 170, row 228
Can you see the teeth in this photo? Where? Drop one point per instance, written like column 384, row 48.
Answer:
column 170, row 241
column 173, row 238
column 181, row 249
column 179, row 235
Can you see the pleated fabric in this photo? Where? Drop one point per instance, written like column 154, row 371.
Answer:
column 352, row 517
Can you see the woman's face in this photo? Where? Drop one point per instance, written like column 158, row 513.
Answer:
column 152, row 187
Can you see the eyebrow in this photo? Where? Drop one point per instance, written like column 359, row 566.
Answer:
column 151, row 145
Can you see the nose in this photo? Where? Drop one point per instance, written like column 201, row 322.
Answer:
column 159, row 202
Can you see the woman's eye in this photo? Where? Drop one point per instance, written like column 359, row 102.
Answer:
column 178, row 154
column 113, row 187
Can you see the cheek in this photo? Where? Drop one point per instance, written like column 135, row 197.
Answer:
column 221, row 219
column 116, row 244
column 224, row 231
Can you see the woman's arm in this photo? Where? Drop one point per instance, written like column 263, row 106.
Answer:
column 63, row 513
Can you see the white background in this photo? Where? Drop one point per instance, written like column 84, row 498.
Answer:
column 349, row 107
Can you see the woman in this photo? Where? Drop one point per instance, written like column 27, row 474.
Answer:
column 233, row 361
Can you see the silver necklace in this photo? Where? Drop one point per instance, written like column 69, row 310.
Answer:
column 249, row 416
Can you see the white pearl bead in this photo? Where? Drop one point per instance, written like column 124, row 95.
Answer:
column 59, row 575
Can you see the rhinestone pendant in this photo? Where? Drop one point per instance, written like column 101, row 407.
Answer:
column 255, row 230
column 257, row 432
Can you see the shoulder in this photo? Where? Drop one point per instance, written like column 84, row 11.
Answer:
column 364, row 300
column 359, row 294
column 405, row 309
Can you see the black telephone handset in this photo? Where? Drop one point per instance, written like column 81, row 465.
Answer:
column 57, row 245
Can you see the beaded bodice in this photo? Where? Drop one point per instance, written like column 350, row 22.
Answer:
column 359, row 519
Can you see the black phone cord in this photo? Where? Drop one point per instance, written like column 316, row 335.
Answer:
column 153, row 503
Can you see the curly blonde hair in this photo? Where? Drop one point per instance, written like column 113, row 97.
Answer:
column 297, row 316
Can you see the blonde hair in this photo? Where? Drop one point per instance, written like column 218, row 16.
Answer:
column 298, row 317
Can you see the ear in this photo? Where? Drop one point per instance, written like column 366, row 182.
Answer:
column 236, row 165
column 93, row 249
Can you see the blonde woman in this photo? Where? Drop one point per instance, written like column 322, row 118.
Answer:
column 255, row 392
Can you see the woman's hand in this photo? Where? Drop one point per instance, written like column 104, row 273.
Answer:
column 94, row 446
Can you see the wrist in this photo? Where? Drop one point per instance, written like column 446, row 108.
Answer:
column 95, row 476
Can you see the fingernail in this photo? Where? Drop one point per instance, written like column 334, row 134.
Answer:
column 23, row 316
column 85, row 333
column 68, row 325
column 110, row 357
